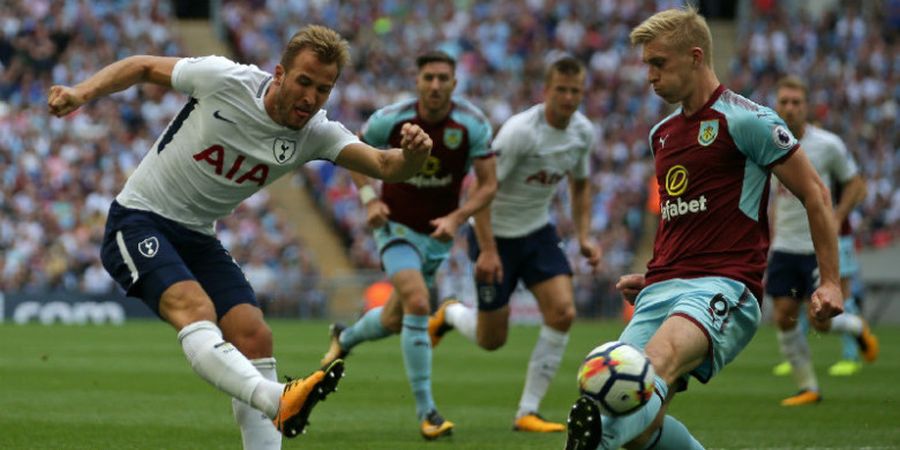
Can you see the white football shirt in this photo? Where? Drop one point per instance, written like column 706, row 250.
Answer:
column 533, row 157
column 834, row 163
column 223, row 147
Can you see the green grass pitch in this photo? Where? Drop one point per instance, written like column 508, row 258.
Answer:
column 104, row 387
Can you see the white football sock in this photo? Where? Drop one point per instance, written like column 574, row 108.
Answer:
column 795, row 348
column 257, row 430
column 222, row 365
column 847, row 323
column 544, row 362
column 464, row 319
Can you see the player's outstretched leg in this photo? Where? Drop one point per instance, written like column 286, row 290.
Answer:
column 301, row 395
column 438, row 325
column 795, row 348
column 342, row 340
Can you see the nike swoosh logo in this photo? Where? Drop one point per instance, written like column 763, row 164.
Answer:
column 220, row 117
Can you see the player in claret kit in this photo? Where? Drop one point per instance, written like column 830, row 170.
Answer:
column 697, row 306
column 415, row 221
column 241, row 129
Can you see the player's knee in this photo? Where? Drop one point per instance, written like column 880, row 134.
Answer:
column 415, row 302
column 561, row 317
column 253, row 340
column 491, row 342
column 785, row 315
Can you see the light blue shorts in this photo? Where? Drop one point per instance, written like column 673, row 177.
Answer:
column 847, row 252
column 724, row 309
column 402, row 248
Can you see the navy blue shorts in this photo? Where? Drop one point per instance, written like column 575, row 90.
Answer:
column 532, row 258
column 792, row 275
column 146, row 253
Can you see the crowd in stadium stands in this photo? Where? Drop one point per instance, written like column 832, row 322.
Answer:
column 851, row 60
column 58, row 176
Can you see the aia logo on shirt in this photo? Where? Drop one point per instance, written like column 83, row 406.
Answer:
column 219, row 159
column 545, row 178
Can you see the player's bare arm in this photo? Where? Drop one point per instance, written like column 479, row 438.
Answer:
column 377, row 212
column 118, row 76
column 488, row 268
column 394, row 165
column 853, row 192
column 800, row 177
column 630, row 286
column 479, row 197
column 581, row 217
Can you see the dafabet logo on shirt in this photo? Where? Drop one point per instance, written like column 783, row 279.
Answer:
column 676, row 185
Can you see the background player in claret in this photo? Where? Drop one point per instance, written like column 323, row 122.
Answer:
column 514, row 239
column 792, row 272
column 241, row 129
column 697, row 306
column 415, row 221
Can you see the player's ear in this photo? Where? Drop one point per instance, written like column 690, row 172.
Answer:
column 279, row 75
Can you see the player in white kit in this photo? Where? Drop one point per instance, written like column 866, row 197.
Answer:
column 514, row 240
column 241, row 129
column 792, row 269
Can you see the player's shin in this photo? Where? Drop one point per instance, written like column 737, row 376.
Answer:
column 464, row 319
column 257, row 430
column 617, row 431
column 367, row 328
column 222, row 365
column 542, row 367
column 416, row 347
column 673, row 435
column 795, row 349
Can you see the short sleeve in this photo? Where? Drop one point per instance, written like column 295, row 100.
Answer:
column 582, row 167
column 332, row 136
column 843, row 164
column 762, row 136
column 199, row 77
column 508, row 145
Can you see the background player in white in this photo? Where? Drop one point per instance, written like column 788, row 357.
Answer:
column 697, row 306
column 792, row 270
column 241, row 129
column 537, row 149
column 414, row 222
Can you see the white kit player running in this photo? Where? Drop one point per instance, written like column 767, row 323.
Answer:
column 537, row 149
column 792, row 269
column 241, row 129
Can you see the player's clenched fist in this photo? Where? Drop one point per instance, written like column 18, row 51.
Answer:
column 62, row 100
column 414, row 140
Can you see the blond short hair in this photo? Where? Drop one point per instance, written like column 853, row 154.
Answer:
column 682, row 29
column 793, row 82
column 326, row 43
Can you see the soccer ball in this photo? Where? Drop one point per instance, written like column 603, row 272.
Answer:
column 617, row 376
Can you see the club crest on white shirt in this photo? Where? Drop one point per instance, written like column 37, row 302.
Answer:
column 283, row 150
column 149, row 247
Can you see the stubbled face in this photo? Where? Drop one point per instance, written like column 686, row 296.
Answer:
column 435, row 83
column 562, row 96
column 668, row 71
column 301, row 89
column 790, row 104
